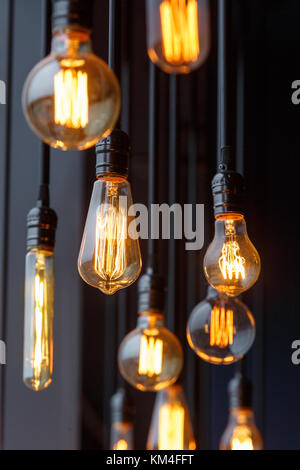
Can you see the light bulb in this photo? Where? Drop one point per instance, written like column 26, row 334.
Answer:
column 110, row 257
column 171, row 427
column 231, row 263
column 71, row 99
column 150, row 357
column 121, row 436
column 38, row 325
column 241, row 432
column 220, row 330
column 178, row 34
column 39, row 295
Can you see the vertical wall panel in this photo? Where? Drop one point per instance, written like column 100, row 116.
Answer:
column 48, row 419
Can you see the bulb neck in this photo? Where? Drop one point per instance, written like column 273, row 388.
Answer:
column 72, row 12
column 151, row 293
column 122, row 410
column 240, row 392
column 228, row 186
column 150, row 320
column 112, row 155
column 241, row 415
column 71, row 41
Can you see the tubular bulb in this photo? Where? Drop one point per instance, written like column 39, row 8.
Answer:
column 38, row 328
column 171, row 427
column 150, row 357
column 231, row 263
column 178, row 34
column 71, row 99
column 220, row 330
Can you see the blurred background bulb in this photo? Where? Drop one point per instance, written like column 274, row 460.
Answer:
column 241, row 432
column 220, row 330
column 121, row 436
column 71, row 99
column 231, row 263
column 109, row 257
column 178, row 34
column 150, row 357
column 38, row 323
column 171, row 427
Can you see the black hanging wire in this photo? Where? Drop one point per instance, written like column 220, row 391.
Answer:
column 222, row 76
column 173, row 164
column 153, row 162
column 44, row 175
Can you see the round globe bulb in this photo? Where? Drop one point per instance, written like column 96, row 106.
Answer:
column 71, row 99
column 220, row 330
column 150, row 357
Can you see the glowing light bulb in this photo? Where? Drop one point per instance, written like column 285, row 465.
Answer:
column 110, row 257
column 38, row 331
column 171, row 427
column 178, row 34
column 241, row 432
column 121, row 437
column 121, row 445
column 150, row 357
column 231, row 263
column 71, row 99
column 220, row 330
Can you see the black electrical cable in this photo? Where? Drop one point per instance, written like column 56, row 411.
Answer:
column 222, row 76
column 153, row 162
column 44, row 177
column 114, row 39
column 173, row 154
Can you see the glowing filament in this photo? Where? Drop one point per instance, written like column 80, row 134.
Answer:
column 71, row 98
column 150, row 358
column 221, row 327
column 110, row 242
column 171, row 427
column 241, row 439
column 120, row 445
column 180, row 32
column 40, row 292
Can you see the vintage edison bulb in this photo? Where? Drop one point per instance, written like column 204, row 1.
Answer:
column 241, row 432
column 71, row 99
column 110, row 257
column 220, row 330
column 171, row 427
column 150, row 357
column 178, row 34
column 231, row 263
column 38, row 327
column 121, row 434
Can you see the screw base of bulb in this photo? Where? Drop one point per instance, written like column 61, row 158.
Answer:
column 227, row 186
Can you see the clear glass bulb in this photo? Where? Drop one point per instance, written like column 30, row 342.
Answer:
column 178, row 38
column 38, row 323
column 171, row 427
column 110, row 257
column 220, row 330
column 150, row 357
column 241, row 432
column 121, row 436
column 231, row 263
column 71, row 99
